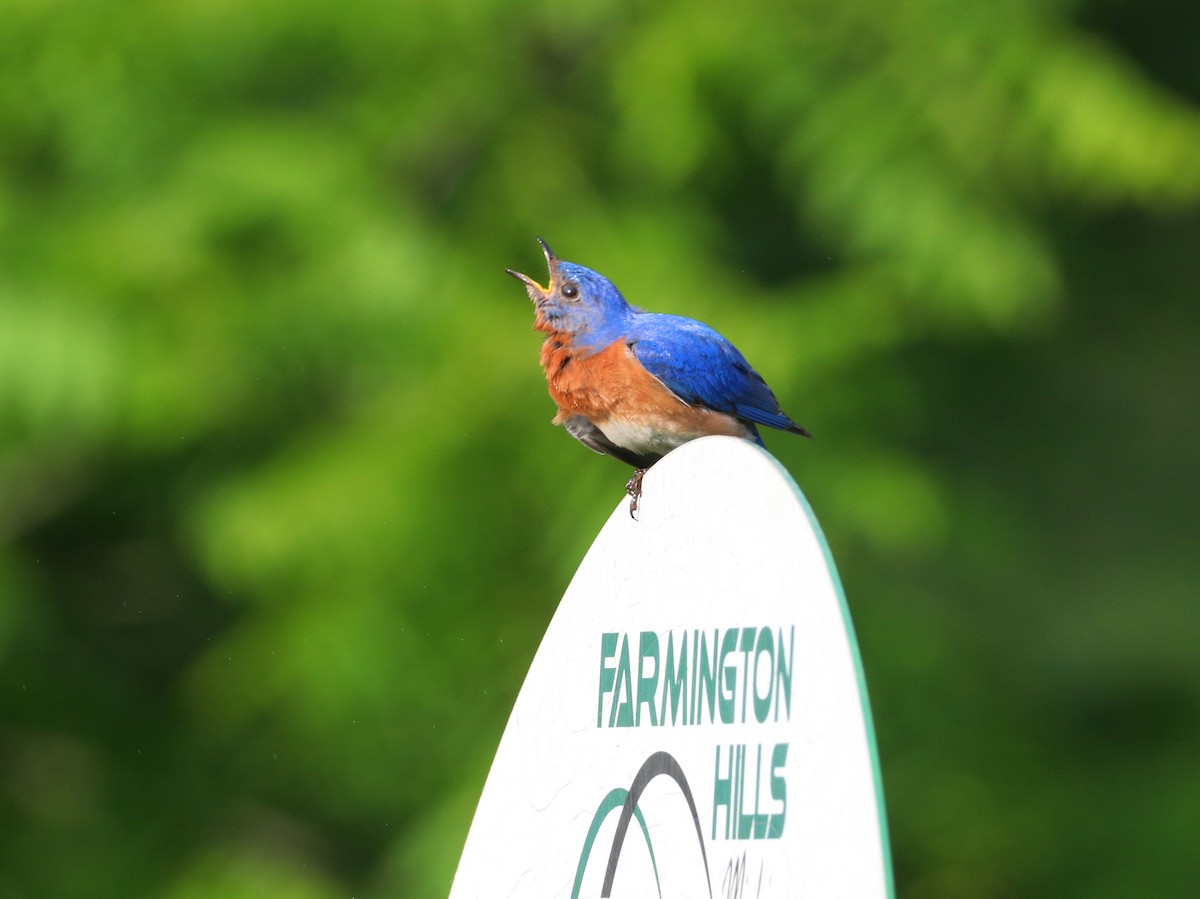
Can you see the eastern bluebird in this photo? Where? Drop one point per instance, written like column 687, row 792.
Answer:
column 635, row 384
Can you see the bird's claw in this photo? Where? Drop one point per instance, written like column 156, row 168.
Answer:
column 634, row 489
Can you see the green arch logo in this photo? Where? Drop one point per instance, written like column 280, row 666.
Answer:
column 658, row 764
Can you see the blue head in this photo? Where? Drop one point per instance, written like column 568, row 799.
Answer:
column 578, row 301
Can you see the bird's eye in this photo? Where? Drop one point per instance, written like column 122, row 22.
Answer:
column 570, row 290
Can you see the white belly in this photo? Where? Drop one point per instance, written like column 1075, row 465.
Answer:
column 643, row 438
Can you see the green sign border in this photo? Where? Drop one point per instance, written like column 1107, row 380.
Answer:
column 852, row 638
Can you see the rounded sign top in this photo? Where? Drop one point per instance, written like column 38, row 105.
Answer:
column 695, row 722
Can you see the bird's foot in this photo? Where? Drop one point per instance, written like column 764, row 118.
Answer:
column 634, row 489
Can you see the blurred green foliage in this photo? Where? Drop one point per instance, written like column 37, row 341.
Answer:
column 282, row 514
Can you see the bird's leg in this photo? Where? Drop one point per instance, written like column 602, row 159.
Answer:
column 634, row 489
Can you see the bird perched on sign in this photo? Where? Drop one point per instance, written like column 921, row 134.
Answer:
column 634, row 385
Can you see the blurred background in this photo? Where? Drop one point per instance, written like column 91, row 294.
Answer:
column 282, row 515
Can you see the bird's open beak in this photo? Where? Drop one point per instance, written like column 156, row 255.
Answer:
column 536, row 291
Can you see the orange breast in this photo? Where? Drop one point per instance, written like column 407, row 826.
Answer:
column 599, row 385
column 611, row 385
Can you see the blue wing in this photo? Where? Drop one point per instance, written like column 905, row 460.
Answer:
column 702, row 368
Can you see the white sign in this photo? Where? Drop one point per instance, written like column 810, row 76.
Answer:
column 695, row 722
